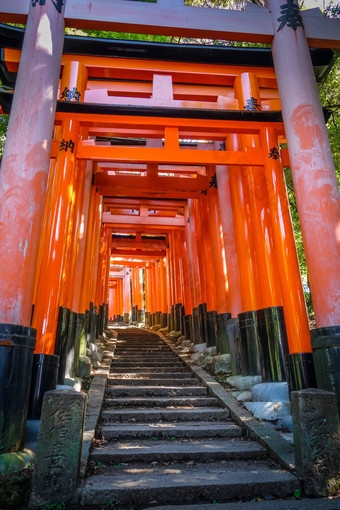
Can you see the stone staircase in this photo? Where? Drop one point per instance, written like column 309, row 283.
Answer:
column 163, row 440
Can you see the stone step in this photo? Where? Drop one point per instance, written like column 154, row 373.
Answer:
column 148, row 391
column 127, row 363
column 151, row 375
column 162, row 402
column 137, row 359
column 152, row 370
column 140, row 485
column 168, row 430
column 178, row 450
column 189, row 381
column 167, row 415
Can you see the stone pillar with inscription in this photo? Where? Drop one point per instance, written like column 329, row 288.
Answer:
column 56, row 471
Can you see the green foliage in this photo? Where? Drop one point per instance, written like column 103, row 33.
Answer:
column 3, row 132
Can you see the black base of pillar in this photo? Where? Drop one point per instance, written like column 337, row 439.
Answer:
column 273, row 343
column 158, row 317
column 300, row 371
column 249, row 344
column 202, row 308
column 44, row 378
column 60, row 347
column 234, row 346
column 211, row 329
column 164, row 320
column 222, row 334
column 17, row 344
column 188, row 327
column 196, row 327
column 326, row 351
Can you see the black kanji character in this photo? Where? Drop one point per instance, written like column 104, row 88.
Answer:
column 70, row 145
column 62, row 145
column 68, row 95
column 252, row 105
column 274, row 153
column 39, row 2
column 222, row 146
column 290, row 16
column 213, row 182
column 204, row 192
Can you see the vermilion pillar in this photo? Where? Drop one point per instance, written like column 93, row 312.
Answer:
column 316, row 187
column 178, row 269
column 26, row 159
column 49, row 286
column 95, row 252
column 223, row 189
column 249, row 284
column 111, row 301
column 185, row 267
column 247, row 92
column 76, row 306
column 163, row 285
column 194, row 277
column 292, row 292
column 205, row 245
column 127, row 292
column 195, row 226
column 90, row 241
column 158, row 286
column 221, row 284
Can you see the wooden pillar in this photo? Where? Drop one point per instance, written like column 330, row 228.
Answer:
column 127, row 292
column 207, row 253
column 198, row 286
column 223, row 303
column 49, row 286
column 315, row 183
column 227, row 224
column 76, row 306
column 90, row 229
column 163, row 286
column 247, row 92
column 186, row 279
column 249, row 285
column 26, row 159
column 178, row 269
column 287, row 260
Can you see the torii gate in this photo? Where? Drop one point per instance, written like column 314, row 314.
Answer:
column 27, row 153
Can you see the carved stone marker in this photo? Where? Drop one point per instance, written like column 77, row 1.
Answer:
column 56, row 470
column 317, row 440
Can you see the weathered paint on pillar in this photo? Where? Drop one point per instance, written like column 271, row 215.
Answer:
column 233, row 279
column 49, row 286
column 26, row 159
column 316, row 187
column 287, row 261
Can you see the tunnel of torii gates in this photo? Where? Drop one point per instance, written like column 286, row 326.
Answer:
column 144, row 177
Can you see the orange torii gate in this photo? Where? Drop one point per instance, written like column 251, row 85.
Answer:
column 244, row 206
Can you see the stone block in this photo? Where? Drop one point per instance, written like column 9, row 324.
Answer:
column 200, row 347
column 222, row 364
column 210, row 351
column 244, row 396
column 74, row 382
column 317, row 440
column 269, row 411
column 84, row 369
column 244, row 383
column 270, row 392
column 55, row 477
